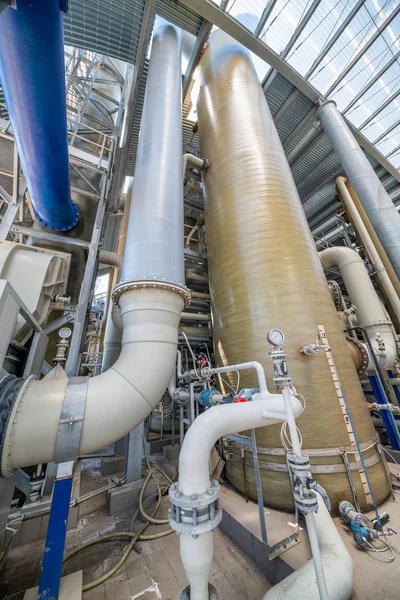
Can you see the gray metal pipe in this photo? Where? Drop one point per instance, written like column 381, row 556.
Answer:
column 155, row 233
column 373, row 196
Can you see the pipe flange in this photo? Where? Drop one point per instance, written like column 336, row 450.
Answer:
column 363, row 354
column 336, row 293
column 212, row 593
column 127, row 286
column 10, row 386
column 19, row 390
column 195, row 514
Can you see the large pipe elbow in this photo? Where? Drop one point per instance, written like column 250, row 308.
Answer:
column 370, row 312
column 336, row 560
column 117, row 400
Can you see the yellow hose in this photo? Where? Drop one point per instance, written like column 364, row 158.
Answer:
column 138, row 536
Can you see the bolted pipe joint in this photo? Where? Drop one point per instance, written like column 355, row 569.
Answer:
column 197, row 513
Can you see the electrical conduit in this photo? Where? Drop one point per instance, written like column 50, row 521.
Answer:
column 32, row 75
column 121, row 398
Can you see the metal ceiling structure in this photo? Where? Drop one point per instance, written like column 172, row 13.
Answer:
column 312, row 49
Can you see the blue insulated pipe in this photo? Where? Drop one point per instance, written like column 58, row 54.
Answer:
column 32, row 75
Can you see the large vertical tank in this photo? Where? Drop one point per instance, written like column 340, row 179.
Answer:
column 265, row 272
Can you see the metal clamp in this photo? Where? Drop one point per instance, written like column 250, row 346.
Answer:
column 304, row 485
column 196, row 514
column 71, row 419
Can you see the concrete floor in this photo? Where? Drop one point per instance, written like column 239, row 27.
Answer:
column 155, row 573
column 374, row 579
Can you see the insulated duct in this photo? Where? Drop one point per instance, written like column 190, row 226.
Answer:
column 32, row 76
column 265, row 272
column 121, row 398
column 376, row 201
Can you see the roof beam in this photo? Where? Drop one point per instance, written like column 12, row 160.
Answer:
column 396, row 149
column 201, row 39
column 385, row 133
column 309, row 149
column 364, row 49
column 291, row 157
column 329, row 45
column 269, row 7
column 380, row 108
column 369, row 84
column 288, row 104
column 308, row 117
column 296, row 34
column 133, row 93
column 210, row 11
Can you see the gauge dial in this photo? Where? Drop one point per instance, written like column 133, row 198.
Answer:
column 275, row 337
column 65, row 332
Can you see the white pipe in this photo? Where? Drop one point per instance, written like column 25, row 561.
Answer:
column 202, row 163
column 370, row 312
column 113, row 259
column 117, row 400
column 336, row 561
column 369, row 246
column 309, row 517
column 189, row 316
column 121, row 398
column 262, row 384
column 214, row 423
column 202, row 295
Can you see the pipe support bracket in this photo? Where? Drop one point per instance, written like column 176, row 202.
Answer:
column 71, row 419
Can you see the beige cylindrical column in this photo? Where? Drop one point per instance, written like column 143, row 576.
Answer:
column 265, row 272
column 375, row 257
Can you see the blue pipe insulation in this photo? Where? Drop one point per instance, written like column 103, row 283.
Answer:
column 32, row 75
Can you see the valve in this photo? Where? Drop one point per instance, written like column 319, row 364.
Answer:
column 314, row 348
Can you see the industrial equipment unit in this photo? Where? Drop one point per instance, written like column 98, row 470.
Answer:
column 199, row 300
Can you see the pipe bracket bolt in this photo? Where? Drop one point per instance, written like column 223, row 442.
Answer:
column 304, row 494
column 197, row 513
column 127, row 286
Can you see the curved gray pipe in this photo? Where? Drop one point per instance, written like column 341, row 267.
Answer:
column 155, row 236
column 373, row 196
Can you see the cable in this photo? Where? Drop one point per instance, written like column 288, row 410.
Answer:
column 380, row 551
column 191, row 352
column 139, row 535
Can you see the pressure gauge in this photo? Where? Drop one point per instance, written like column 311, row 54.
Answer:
column 275, row 337
column 65, row 333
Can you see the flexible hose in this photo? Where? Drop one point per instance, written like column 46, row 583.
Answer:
column 112, row 536
column 139, row 535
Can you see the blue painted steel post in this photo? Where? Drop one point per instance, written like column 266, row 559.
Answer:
column 395, row 387
column 50, row 575
column 387, row 416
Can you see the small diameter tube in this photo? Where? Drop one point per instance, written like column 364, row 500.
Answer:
column 309, row 517
column 262, row 383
